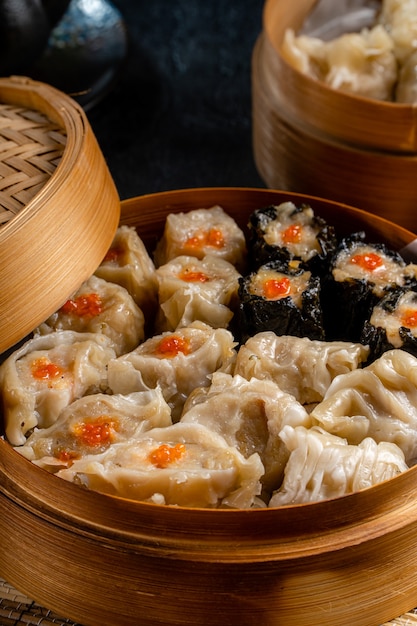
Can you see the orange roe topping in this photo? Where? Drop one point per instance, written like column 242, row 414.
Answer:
column 191, row 276
column 409, row 319
column 292, row 234
column 113, row 255
column 172, row 345
column 66, row 456
column 43, row 369
column 96, row 432
column 276, row 288
column 212, row 238
column 369, row 261
column 165, row 455
column 88, row 305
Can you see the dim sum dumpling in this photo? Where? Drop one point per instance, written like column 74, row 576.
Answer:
column 100, row 307
column 196, row 289
column 129, row 264
column 177, row 361
column 183, row 464
column 249, row 414
column 47, row 373
column 323, row 466
column 379, row 401
column 200, row 232
column 90, row 425
column 300, row 366
column 361, row 63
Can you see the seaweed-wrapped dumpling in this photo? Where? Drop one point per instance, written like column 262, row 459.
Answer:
column 177, row 361
column 100, row 307
column 192, row 289
column 300, row 366
column 323, row 466
column 283, row 299
column 249, row 414
column 184, row 464
column 392, row 324
column 47, row 373
column 90, row 425
column 379, row 401
column 290, row 233
column 200, row 232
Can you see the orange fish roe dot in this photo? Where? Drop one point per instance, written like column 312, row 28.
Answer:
column 409, row 319
column 212, row 238
column 172, row 345
column 276, row 288
column 369, row 261
column 165, row 454
column 292, row 234
column 113, row 255
column 66, row 456
column 88, row 305
column 191, row 276
column 96, row 432
column 44, row 369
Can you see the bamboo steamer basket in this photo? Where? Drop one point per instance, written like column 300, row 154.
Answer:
column 102, row 560
column 59, row 207
column 313, row 139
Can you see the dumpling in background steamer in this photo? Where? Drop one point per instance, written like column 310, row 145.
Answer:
column 249, row 415
column 200, row 232
column 323, row 466
column 47, row 373
column 176, row 361
column 101, row 307
column 406, row 89
column 192, row 289
column 359, row 63
column 300, row 366
column 399, row 17
column 92, row 424
column 128, row 264
column 184, row 464
column 379, row 401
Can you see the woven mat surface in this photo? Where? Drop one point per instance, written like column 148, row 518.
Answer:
column 18, row 610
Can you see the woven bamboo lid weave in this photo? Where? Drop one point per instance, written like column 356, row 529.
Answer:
column 59, row 207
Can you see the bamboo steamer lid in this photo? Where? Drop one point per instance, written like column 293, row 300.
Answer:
column 59, row 207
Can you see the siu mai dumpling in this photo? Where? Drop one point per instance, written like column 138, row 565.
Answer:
column 379, row 401
column 192, row 289
column 306, row 54
column 300, row 366
column 47, row 373
column 249, row 415
column 176, row 361
column 323, row 466
column 90, row 425
column 129, row 264
column 101, row 307
column 185, row 465
column 200, row 232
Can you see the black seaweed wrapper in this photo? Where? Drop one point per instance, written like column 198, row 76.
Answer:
column 282, row 316
column 261, row 252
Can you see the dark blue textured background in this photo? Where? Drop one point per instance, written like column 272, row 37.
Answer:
column 180, row 113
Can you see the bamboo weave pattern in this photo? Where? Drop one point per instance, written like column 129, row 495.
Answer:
column 31, row 148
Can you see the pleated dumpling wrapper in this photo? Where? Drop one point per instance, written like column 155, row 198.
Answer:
column 183, row 464
column 47, row 373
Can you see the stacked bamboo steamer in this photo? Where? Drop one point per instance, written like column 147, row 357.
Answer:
column 310, row 138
